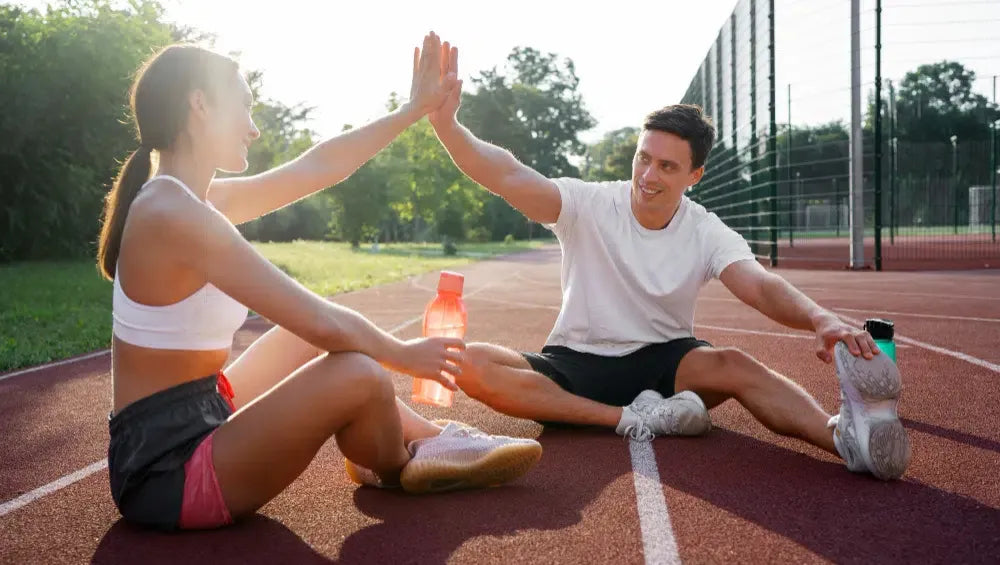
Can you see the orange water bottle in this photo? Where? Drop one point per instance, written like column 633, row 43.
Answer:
column 445, row 316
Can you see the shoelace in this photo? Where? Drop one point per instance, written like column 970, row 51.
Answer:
column 474, row 433
column 666, row 416
column 639, row 432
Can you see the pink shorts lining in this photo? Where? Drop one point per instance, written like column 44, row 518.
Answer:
column 203, row 506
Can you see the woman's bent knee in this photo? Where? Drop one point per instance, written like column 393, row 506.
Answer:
column 357, row 373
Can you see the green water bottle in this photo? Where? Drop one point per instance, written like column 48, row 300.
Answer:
column 882, row 331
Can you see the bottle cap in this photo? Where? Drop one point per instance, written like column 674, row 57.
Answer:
column 879, row 328
column 451, row 282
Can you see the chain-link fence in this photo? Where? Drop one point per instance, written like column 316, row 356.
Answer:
column 777, row 83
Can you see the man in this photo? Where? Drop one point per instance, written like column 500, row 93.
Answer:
column 622, row 353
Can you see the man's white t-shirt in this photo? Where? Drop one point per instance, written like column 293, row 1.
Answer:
column 625, row 286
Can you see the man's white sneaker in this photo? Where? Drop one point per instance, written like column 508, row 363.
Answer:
column 462, row 457
column 650, row 415
column 867, row 432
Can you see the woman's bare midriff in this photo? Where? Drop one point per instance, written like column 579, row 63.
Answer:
column 138, row 372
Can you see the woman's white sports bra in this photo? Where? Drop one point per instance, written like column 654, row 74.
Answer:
column 205, row 320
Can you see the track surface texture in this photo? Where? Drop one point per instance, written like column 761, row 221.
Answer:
column 738, row 494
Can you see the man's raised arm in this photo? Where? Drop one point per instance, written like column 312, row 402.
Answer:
column 495, row 168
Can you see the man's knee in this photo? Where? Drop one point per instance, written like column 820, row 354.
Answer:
column 477, row 353
column 718, row 370
column 476, row 369
column 486, row 378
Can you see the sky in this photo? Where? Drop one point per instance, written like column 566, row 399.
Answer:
column 632, row 56
column 345, row 58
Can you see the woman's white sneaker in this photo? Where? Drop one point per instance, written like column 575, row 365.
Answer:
column 462, row 457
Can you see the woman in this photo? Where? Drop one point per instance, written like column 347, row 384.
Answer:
column 187, row 448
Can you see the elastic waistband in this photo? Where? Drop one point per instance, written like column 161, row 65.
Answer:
column 164, row 398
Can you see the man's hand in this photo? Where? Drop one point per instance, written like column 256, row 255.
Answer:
column 428, row 357
column 830, row 329
column 432, row 83
column 448, row 111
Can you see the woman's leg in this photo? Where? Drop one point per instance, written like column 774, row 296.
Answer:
column 264, row 446
column 276, row 354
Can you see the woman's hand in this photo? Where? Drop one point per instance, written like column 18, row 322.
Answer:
column 430, row 358
column 432, row 81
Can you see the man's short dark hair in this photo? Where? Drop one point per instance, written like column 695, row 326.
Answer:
column 688, row 122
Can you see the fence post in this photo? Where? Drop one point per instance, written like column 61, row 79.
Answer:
column 754, row 141
column 954, row 177
column 732, row 84
column 892, row 164
column 788, row 149
column 993, row 177
column 993, row 166
column 772, row 141
column 857, row 171
column 878, row 135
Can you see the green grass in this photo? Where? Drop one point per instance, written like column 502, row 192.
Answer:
column 54, row 310
column 331, row 268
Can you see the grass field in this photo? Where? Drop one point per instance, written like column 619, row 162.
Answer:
column 57, row 309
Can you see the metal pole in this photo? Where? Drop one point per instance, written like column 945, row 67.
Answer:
column 993, row 167
column 892, row 164
column 732, row 83
column 954, row 177
column 836, row 204
column 754, row 202
column 857, row 211
column 718, row 81
column 788, row 148
column 772, row 139
column 878, row 135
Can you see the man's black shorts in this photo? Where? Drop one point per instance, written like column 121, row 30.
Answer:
column 614, row 380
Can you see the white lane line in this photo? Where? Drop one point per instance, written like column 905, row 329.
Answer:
column 658, row 543
column 96, row 466
column 894, row 292
column 956, row 354
column 60, row 483
column 521, row 277
column 913, row 315
column 406, row 324
column 55, row 364
column 755, row 332
column 515, row 303
column 775, row 334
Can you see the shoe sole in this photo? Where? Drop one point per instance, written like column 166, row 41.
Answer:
column 502, row 465
column 871, row 390
column 352, row 472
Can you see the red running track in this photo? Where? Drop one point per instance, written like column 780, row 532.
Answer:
column 740, row 493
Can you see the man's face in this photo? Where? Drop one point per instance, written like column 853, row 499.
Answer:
column 661, row 172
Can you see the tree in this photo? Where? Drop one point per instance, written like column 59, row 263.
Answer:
column 611, row 158
column 534, row 110
column 63, row 131
column 936, row 101
column 283, row 137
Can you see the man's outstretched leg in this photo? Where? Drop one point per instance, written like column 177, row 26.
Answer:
column 504, row 380
column 590, row 390
column 866, row 434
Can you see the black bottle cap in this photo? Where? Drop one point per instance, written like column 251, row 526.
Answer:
column 879, row 328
